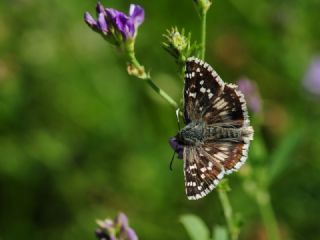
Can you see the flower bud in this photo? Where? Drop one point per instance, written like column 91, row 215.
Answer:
column 179, row 45
column 202, row 5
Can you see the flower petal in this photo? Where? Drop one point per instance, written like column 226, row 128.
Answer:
column 121, row 22
column 122, row 220
column 89, row 20
column 136, row 14
column 100, row 234
column 99, row 8
column 102, row 22
column 124, row 26
column 106, row 224
column 131, row 234
column 113, row 14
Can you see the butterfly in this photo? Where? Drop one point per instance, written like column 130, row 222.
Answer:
column 217, row 133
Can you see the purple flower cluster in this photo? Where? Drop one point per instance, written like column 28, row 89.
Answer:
column 311, row 79
column 111, row 22
column 117, row 229
column 251, row 94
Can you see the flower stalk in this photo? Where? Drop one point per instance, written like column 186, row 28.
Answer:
column 121, row 30
column 268, row 217
column 227, row 210
column 202, row 7
column 203, row 17
column 137, row 70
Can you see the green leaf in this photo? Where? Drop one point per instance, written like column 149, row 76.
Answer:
column 195, row 227
column 280, row 158
column 220, row 233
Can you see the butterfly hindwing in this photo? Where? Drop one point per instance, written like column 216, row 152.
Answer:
column 231, row 155
column 202, row 173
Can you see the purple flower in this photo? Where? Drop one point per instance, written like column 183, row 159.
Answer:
column 176, row 146
column 311, row 80
column 100, row 25
column 251, row 94
column 111, row 22
column 131, row 234
column 122, row 221
column 115, row 229
column 127, row 25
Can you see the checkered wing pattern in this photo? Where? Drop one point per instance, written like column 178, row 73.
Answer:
column 207, row 98
column 202, row 83
column 202, row 172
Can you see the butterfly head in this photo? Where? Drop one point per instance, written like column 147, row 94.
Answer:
column 176, row 145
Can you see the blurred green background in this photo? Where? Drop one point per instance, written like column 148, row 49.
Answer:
column 81, row 140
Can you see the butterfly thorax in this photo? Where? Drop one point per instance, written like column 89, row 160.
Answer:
column 192, row 134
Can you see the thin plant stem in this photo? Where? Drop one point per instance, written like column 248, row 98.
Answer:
column 223, row 196
column 162, row 93
column 259, row 186
column 228, row 213
column 267, row 214
column 203, row 17
column 133, row 60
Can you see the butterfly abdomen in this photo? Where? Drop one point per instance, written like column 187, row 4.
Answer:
column 228, row 133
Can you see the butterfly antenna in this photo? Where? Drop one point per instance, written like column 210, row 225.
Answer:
column 172, row 159
column 177, row 115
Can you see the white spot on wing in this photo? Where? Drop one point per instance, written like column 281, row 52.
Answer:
column 193, row 166
column 192, row 95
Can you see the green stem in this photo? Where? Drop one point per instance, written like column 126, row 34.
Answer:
column 143, row 75
column 227, row 209
column 258, row 185
column 203, row 17
column 267, row 214
column 162, row 93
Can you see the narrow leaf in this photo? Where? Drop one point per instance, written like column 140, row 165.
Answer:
column 220, row 233
column 280, row 158
column 195, row 227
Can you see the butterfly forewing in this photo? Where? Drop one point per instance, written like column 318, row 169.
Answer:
column 228, row 108
column 202, row 84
